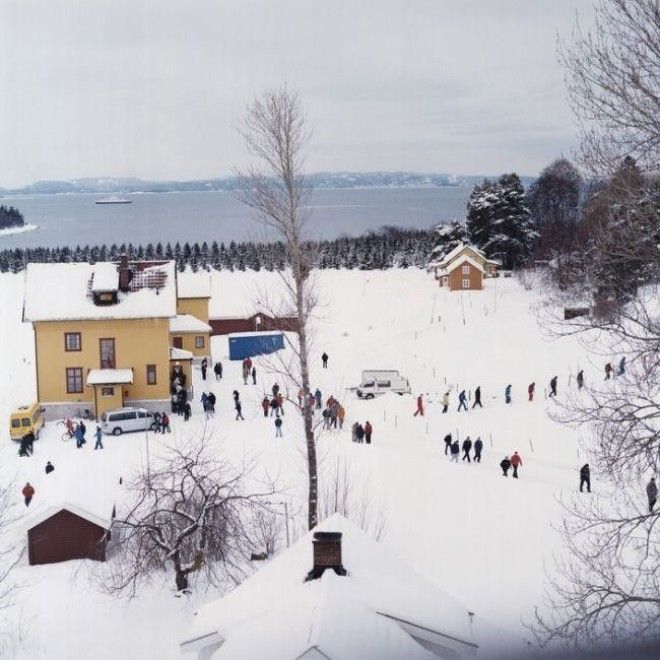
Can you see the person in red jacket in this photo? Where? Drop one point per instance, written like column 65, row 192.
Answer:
column 265, row 406
column 530, row 391
column 516, row 462
column 368, row 430
column 420, row 406
column 28, row 493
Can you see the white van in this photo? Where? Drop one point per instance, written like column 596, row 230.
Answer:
column 125, row 420
column 380, row 381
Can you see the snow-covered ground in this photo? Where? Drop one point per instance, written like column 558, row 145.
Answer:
column 482, row 538
column 18, row 230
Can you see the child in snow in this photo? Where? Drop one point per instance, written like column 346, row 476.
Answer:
column 505, row 464
column 49, row 467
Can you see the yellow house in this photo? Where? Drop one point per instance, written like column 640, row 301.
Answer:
column 190, row 334
column 193, row 294
column 102, row 334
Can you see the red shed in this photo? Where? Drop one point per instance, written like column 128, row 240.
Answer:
column 67, row 532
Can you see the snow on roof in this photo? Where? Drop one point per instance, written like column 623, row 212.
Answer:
column 109, row 376
column 188, row 323
column 256, row 333
column 105, row 277
column 193, row 285
column 459, row 262
column 180, row 354
column 56, row 292
column 92, row 495
column 363, row 614
column 450, row 256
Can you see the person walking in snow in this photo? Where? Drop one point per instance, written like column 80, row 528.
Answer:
column 187, row 411
column 265, row 405
column 580, row 379
column 652, row 493
column 99, row 438
column 239, row 408
column 608, row 370
column 354, row 432
column 507, row 394
column 236, row 395
column 254, row 375
column 79, row 436
column 467, row 445
column 553, row 386
column 368, row 430
column 204, row 366
column 275, row 389
column 359, row 432
column 83, row 431
column 530, row 391
column 318, row 397
column 278, row 427
column 477, row 397
column 622, row 366
column 165, row 420
column 516, row 462
column 478, row 446
column 462, row 401
column 49, row 467
column 448, row 444
column 324, row 360
column 505, row 464
column 28, row 493
column 204, row 399
column 211, row 401
column 280, row 403
column 420, row 406
column 445, row 402
column 455, row 451
column 326, row 418
column 217, row 370
column 273, row 407
column 341, row 413
column 585, row 477
column 246, row 373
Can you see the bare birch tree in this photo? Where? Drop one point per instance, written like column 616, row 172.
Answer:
column 613, row 80
column 276, row 189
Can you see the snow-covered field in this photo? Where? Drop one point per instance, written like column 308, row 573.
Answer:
column 483, row 539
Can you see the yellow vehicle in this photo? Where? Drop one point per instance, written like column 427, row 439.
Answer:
column 25, row 419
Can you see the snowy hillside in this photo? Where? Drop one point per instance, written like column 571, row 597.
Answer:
column 481, row 538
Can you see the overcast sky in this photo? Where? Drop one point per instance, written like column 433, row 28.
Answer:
column 156, row 89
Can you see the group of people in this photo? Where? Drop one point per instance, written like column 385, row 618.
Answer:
column 333, row 414
column 162, row 421
column 79, row 430
column 453, row 449
column 361, row 433
column 208, row 404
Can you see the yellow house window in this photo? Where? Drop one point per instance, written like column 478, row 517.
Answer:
column 199, row 342
column 107, row 391
column 72, row 341
column 74, row 380
column 151, row 374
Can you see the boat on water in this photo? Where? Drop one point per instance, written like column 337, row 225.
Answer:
column 113, row 200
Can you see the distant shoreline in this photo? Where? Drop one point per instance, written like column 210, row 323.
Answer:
column 18, row 230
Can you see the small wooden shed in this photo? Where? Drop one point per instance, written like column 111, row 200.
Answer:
column 67, row 532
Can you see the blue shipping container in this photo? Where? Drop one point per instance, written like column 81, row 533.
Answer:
column 249, row 344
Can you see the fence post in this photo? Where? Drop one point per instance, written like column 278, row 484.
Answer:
column 396, row 421
column 531, row 445
column 491, row 439
column 427, row 428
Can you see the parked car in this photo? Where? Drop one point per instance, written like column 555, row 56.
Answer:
column 26, row 419
column 380, row 381
column 125, row 420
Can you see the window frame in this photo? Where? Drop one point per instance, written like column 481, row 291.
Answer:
column 465, row 269
column 106, row 393
column 114, row 352
column 75, row 378
column 465, row 284
column 66, row 343
column 152, row 369
column 197, row 341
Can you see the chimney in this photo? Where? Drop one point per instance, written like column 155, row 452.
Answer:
column 327, row 554
column 125, row 274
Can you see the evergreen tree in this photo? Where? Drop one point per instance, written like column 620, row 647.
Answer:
column 446, row 238
column 480, row 212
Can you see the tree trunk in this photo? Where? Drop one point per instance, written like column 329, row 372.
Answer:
column 181, row 580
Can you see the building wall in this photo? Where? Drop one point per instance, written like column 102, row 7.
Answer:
column 186, row 340
column 138, row 342
column 225, row 326
column 198, row 307
column 65, row 536
column 456, row 277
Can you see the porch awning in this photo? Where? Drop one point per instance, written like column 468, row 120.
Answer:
column 109, row 376
column 180, row 354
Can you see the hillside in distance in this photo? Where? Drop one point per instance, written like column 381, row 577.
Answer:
column 324, row 180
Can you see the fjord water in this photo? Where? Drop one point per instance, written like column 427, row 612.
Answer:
column 74, row 219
